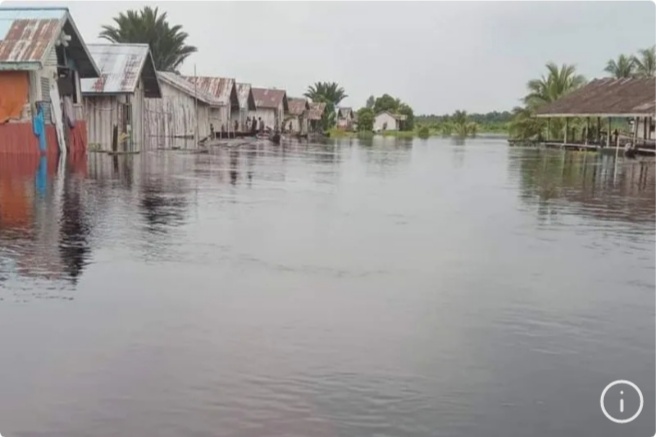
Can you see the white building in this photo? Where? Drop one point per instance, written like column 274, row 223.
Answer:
column 386, row 121
column 271, row 106
column 128, row 76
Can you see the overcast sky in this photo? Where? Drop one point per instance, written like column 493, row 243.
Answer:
column 438, row 56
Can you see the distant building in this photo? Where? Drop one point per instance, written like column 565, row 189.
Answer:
column 128, row 76
column 345, row 118
column 245, row 105
column 315, row 116
column 181, row 115
column 386, row 121
column 42, row 59
column 271, row 106
column 297, row 121
column 224, row 91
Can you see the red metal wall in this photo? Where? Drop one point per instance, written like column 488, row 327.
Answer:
column 18, row 138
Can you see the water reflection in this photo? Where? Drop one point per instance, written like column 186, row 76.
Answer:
column 592, row 184
column 44, row 231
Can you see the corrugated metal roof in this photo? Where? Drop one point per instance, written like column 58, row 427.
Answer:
column 606, row 97
column 27, row 36
column 222, row 88
column 316, row 110
column 269, row 98
column 245, row 97
column 121, row 67
column 184, row 85
column 297, row 106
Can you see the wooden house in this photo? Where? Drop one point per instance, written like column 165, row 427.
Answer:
column 297, row 120
column 182, row 116
column 315, row 116
column 223, row 90
column 42, row 60
column 386, row 121
column 128, row 76
column 607, row 99
column 245, row 105
column 271, row 106
column 345, row 118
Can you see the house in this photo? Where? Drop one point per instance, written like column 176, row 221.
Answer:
column 386, row 121
column 271, row 106
column 42, row 60
column 128, row 76
column 182, row 116
column 345, row 118
column 297, row 121
column 608, row 98
column 224, row 91
column 245, row 105
column 315, row 116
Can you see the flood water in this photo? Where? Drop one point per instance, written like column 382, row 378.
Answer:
column 380, row 288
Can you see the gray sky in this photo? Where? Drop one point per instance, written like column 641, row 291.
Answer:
column 437, row 56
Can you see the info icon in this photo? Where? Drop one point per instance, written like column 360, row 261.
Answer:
column 621, row 401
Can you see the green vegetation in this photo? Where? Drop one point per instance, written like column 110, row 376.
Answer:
column 147, row 26
column 462, row 124
column 633, row 66
column 365, row 119
column 329, row 93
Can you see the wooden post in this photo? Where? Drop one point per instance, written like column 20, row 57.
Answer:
column 645, row 129
column 635, row 127
column 566, row 131
column 609, row 130
column 598, row 131
column 586, row 137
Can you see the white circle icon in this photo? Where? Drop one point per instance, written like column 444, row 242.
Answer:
column 622, row 408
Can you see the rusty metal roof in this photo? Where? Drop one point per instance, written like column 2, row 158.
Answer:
column 187, row 87
column 316, row 110
column 28, row 35
column 222, row 88
column 630, row 97
column 297, row 106
column 245, row 97
column 270, row 98
column 122, row 65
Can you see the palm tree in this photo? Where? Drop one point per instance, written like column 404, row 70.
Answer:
column 147, row 26
column 559, row 82
column 645, row 63
column 462, row 126
column 622, row 67
column 327, row 92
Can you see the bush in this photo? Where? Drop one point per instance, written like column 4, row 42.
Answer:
column 424, row 132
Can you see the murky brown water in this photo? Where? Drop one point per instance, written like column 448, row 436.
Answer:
column 351, row 289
